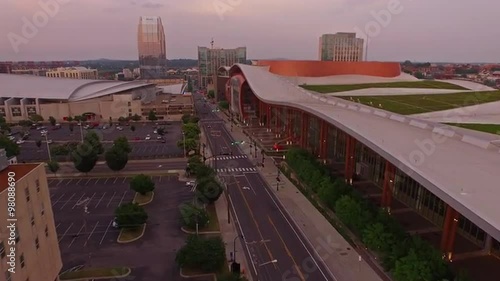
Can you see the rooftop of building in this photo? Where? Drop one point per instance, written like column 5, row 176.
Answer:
column 20, row 170
column 459, row 168
column 34, row 87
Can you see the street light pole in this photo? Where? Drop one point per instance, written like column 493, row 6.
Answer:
column 234, row 247
column 48, row 147
column 184, row 142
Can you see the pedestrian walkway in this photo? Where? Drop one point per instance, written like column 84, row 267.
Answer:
column 236, row 170
column 231, row 157
column 345, row 263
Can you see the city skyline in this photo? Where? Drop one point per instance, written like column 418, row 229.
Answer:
column 398, row 29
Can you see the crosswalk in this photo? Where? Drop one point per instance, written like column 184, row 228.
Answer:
column 231, row 157
column 225, row 170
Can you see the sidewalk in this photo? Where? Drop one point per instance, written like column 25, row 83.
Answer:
column 228, row 231
column 344, row 262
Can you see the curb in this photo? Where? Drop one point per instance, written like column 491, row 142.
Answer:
column 100, row 278
column 145, row 203
column 185, row 230
column 198, row 275
column 131, row 240
column 107, row 175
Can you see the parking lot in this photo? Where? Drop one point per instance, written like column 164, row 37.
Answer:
column 92, row 233
column 141, row 148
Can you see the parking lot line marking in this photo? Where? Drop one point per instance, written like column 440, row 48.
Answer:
column 68, row 182
column 76, row 236
column 91, row 198
column 88, row 181
column 159, row 180
column 95, row 226
column 50, row 182
column 78, row 181
column 73, row 195
column 115, row 180
column 77, row 201
column 107, row 205
column 98, row 202
column 106, row 180
column 60, row 181
column 123, row 197
column 67, row 229
column 58, row 199
column 58, row 225
column 124, row 179
column 97, row 181
column 105, row 232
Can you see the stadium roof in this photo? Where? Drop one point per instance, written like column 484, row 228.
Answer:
column 29, row 86
column 460, row 169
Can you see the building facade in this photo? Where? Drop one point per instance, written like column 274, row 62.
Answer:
column 73, row 73
column 152, row 48
column 37, row 254
column 341, row 46
column 211, row 59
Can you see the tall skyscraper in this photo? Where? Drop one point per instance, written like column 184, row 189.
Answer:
column 342, row 46
column 210, row 59
column 152, row 48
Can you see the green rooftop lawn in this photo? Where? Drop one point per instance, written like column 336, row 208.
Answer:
column 414, row 104
column 488, row 128
column 428, row 84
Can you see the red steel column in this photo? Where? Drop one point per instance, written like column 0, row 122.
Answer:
column 268, row 116
column 304, row 130
column 389, row 175
column 323, row 134
column 289, row 126
column 349, row 158
column 449, row 232
column 278, row 119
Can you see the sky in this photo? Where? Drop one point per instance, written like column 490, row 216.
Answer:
column 398, row 30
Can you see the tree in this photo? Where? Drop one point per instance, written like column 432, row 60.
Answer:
column 351, row 213
column 208, row 190
column 116, row 158
column 52, row 120
column 36, row 118
column 194, row 119
column 70, row 119
column 206, row 254
column 38, row 143
column 160, row 131
column 193, row 215
column 142, row 184
column 135, row 117
column 84, row 157
column 25, row 123
column 123, row 144
column 185, row 118
column 419, row 75
column 211, row 94
column 53, row 166
column 122, row 119
column 4, row 127
column 203, row 171
column 78, row 118
column 412, row 268
column 132, row 128
column 191, row 144
column 191, row 128
column 11, row 148
column 93, row 140
column 130, row 216
column 189, row 85
column 152, row 116
column 224, row 105
column 378, row 238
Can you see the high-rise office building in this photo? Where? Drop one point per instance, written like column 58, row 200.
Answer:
column 28, row 236
column 152, row 48
column 210, row 59
column 76, row 72
column 342, row 46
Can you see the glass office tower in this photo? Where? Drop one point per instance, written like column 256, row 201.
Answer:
column 152, row 49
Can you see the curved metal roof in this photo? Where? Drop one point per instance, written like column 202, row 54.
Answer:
column 29, row 86
column 461, row 169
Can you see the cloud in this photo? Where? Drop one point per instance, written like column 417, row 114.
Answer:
column 150, row 5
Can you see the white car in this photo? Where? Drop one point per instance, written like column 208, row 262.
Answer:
column 19, row 141
column 115, row 223
column 155, row 132
column 12, row 138
column 190, row 183
column 148, row 137
column 119, row 128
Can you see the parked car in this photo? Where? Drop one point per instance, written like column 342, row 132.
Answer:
column 19, row 141
column 148, row 137
column 115, row 223
column 12, row 138
column 159, row 137
column 190, row 183
column 119, row 128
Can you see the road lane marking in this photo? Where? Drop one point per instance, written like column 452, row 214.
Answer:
column 111, row 199
column 67, row 229
column 297, row 268
column 78, row 201
column 73, row 195
column 95, row 226
column 98, row 202
column 76, row 236
column 105, row 232
column 255, row 222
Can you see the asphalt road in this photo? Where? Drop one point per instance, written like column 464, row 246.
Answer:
column 275, row 247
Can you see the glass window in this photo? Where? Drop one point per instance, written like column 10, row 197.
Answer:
column 37, row 243
column 21, row 260
column 27, row 193
column 46, row 231
column 42, row 209
column 32, row 220
column 37, row 183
